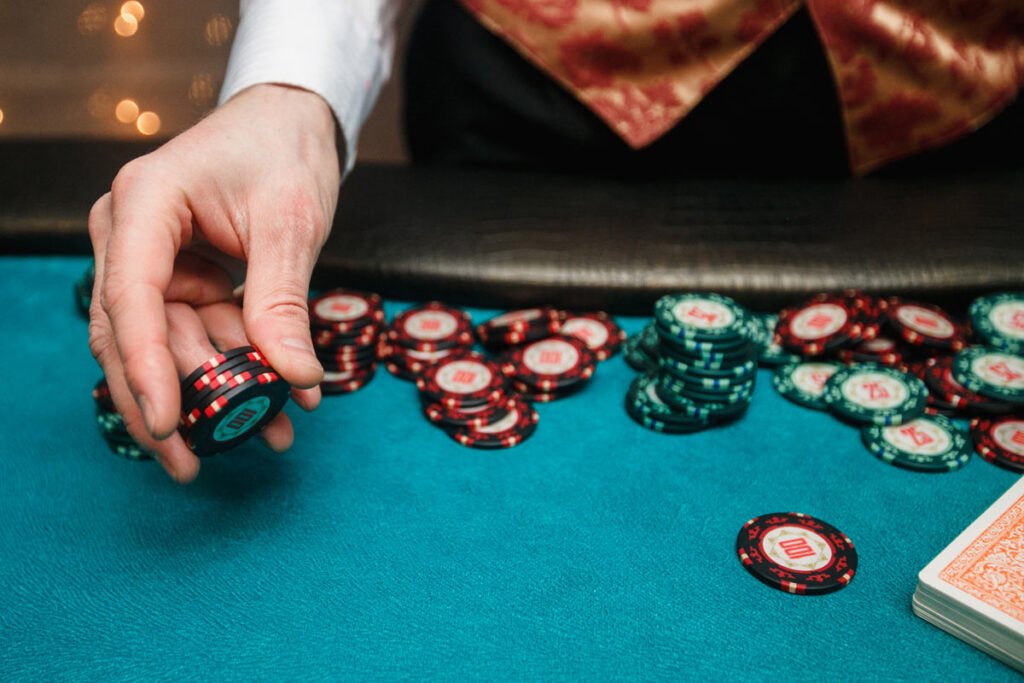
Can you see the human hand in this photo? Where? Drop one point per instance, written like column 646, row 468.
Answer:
column 256, row 181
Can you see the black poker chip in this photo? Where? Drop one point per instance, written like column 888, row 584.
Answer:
column 796, row 553
column 101, row 394
column 514, row 428
column 923, row 324
column 549, row 364
column 519, row 327
column 215, row 362
column 347, row 382
column 597, row 330
column 249, row 361
column 236, row 414
column 432, row 326
column 476, row 417
column 465, row 379
column 193, row 403
column 345, row 310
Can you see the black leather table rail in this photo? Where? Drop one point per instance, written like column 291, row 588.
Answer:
column 502, row 238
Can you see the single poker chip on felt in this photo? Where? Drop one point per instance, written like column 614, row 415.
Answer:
column 821, row 324
column 924, row 324
column 462, row 380
column 345, row 310
column 598, row 331
column 236, row 413
column 998, row 319
column 551, row 364
column 991, row 372
column 433, row 326
column 701, row 317
column 870, row 393
column 804, row 383
column 514, row 428
column 796, row 553
column 1000, row 441
column 931, row 443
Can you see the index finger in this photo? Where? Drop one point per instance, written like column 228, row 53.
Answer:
column 151, row 219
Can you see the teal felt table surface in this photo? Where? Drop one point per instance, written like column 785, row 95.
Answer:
column 379, row 548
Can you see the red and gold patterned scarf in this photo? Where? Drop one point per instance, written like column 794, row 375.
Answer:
column 911, row 74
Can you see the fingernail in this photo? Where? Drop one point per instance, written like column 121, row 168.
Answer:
column 147, row 412
column 303, row 351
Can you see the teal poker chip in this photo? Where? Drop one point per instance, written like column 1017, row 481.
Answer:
column 804, row 383
column 990, row 372
column 694, row 369
column 705, row 397
column 702, row 317
column 774, row 355
column 635, row 356
column 706, row 409
column 869, row 393
column 762, row 329
column 650, row 342
column 931, row 443
column 702, row 383
column 730, row 358
column 644, row 399
column 734, row 346
column 998, row 319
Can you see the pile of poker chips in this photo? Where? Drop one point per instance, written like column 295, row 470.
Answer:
column 468, row 396
column 549, row 369
column 700, row 359
column 514, row 328
column 796, row 553
column 855, row 335
column 423, row 335
column 347, row 331
column 225, row 401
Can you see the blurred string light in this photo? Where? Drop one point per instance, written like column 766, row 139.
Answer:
column 92, row 18
column 148, row 123
column 126, row 111
column 1, row 117
column 126, row 25
column 218, row 30
column 133, row 9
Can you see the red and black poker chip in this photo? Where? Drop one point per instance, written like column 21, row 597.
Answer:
column 345, row 311
column 346, row 382
column 475, row 417
column 513, row 429
column 432, row 326
column 234, row 373
column 214, row 363
column 462, row 380
column 921, row 324
column 1000, row 440
column 551, row 364
column 597, row 330
column 234, row 413
column 519, row 327
column 796, row 553
column 101, row 395
column 819, row 325
column 938, row 376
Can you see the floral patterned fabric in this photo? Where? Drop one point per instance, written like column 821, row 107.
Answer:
column 911, row 74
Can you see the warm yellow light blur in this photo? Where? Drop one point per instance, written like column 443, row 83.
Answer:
column 133, row 9
column 218, row 29
column 92, row 18
column 148, row 123
column 126, row 111
column 1, row 116
column 125, row 25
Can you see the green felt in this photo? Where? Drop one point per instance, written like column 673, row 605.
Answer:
column 379, row 548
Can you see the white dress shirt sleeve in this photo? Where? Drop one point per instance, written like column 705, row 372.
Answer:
column 339, row 49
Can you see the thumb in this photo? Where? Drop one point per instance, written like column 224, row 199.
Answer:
column 275, row 311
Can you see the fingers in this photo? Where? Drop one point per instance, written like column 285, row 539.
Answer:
column 149, row 220
column 197, row 281
column 278, row 435
column 277, row 285
column 223, row 323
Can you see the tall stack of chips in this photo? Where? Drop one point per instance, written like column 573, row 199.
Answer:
column 347, row 334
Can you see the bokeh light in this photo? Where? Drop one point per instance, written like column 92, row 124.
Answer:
column 92, row 18
column 133, row 9
column 1, row 117
column 126, row 111
column 218, row 30
column 201, row 91
column 148, row 123
column 125, row 25
column 100, row 104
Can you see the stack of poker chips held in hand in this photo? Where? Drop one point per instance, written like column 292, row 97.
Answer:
column 347, row 329
column 705, row 368
column 224, row 402
column 902, row 368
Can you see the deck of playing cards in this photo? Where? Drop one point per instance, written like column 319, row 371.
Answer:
column 974, row 589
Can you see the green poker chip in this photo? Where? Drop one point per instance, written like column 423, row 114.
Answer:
column 804, row 383
column 718, row 410
column 930, row 443
column 701, row 317
column 762, row 329
column 703, row 382
column 683, row 368
column 775, row 355
column 868, row 393
column 662, row 426
column 990, row 372
column 643, row 399
column 635, row 356
column 650, row 342
column 999, row 320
